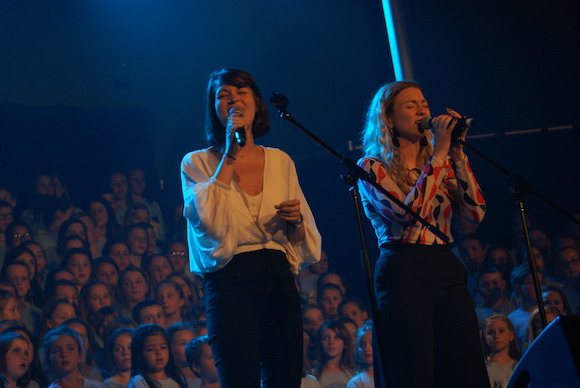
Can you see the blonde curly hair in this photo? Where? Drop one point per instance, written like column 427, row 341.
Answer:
column 379, row 141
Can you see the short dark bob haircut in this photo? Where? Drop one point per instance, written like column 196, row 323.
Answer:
column 215, row 131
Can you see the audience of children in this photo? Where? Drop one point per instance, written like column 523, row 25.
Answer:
column 78, row 267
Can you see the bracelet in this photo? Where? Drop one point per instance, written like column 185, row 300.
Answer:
column 230, row 156
column 298, row 224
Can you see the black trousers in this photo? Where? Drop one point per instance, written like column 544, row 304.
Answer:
column 254, row 322
column 429, row 328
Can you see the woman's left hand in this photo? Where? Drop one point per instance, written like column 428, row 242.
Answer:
column 289, row 210
column 456, row 150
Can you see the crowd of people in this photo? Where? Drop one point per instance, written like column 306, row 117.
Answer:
column 82, row 280
column 106, row 293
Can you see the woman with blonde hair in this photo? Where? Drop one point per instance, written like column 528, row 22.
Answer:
column 420, row 285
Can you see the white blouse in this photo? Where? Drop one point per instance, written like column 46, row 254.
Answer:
column 220, row 224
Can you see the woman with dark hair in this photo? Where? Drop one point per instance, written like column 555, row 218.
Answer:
column 427, row 320
column 249, row 229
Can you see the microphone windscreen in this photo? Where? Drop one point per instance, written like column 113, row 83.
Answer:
column 236, row 109
column 425, row 123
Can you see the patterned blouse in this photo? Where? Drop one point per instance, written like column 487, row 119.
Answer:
column 443, row 187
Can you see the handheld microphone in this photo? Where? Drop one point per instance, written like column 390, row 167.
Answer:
column 240, row 133
column 462, row 123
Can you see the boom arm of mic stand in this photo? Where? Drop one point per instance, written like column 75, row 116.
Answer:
column 360, row 173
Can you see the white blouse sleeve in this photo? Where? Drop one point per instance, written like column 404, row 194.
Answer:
column 212, row 232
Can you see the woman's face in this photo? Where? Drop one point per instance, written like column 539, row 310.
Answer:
column 134, row 286
column 98, row 297
column 120, row 255
column 169, row 299
column 137, row 241
column 80, row 266
column 409, row 107
column 122, row 352
column 20, row 277
column 228, row 96
column 107, row 273
column 98, row 212
column 119, row 186
column 332, row 344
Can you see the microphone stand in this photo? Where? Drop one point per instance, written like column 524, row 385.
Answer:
column 281, row 103
column 518, row 188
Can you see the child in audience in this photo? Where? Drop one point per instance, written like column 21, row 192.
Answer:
column 106, row 226
column 554, row 297
column 119, row 187
column 36, row 371
column 170, row 297
column 107, row 271
column 178, row 254
column 152, row 365
column 201, row 362
column 179, row 335
column 364, row 358
column 62, row 289
column 63, row 355
column 89, row 347
column 8, row 306
column 149, row 311
column 536, row 326
column 329, row 297
column 524, row 288
column 308, row 279
column 353, row 308
column 56, row 312
column 24, row 255
column 40, row 258
column 335, row 364
column 158, row 267
column 191, row 293
column 78, row 261
column 119, row 350
column 138, row 189
column 118, row 251
column 500, row 349
column 93, row 296
column 14, row 361
column 472, row 250
column 19, row 274
column 331, row 277
column 138, row 242
column 134, row 289
column 491, row 291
